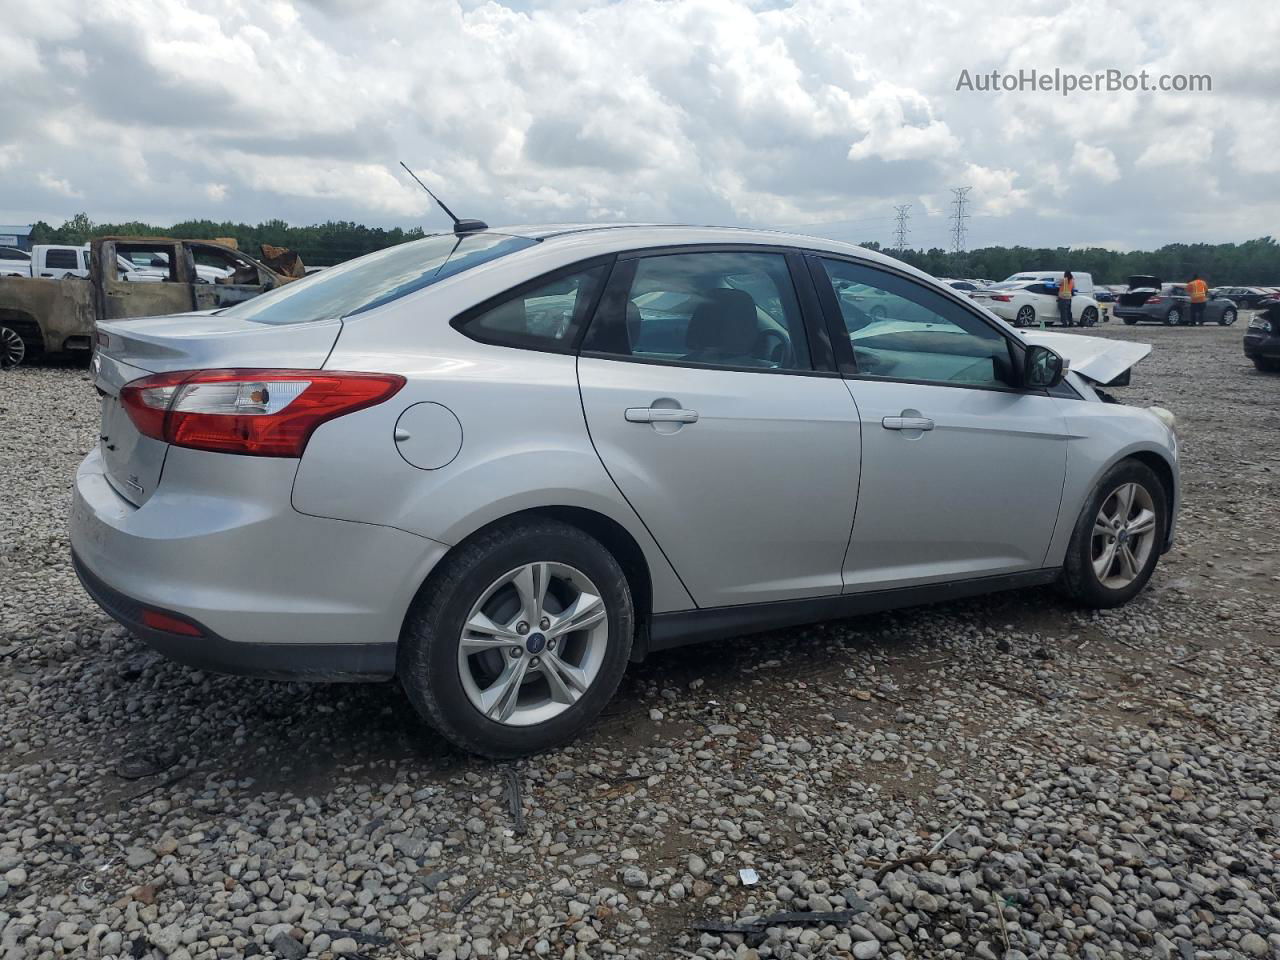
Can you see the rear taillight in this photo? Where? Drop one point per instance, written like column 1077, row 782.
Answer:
column 261, row 413
column 1155, row 299
column 1002, row 297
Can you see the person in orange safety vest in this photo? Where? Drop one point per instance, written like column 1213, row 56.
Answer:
column 1066, row 289
column 1198, row 291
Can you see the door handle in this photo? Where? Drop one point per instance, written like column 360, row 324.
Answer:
column 660, row 415
column 907, row 423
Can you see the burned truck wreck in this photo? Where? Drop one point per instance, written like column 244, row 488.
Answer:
column 128, row 277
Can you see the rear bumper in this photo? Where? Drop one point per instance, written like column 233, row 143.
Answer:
column 271, row 661
column 276, row 593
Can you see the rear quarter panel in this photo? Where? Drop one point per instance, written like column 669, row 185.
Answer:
column 524, row 439
column 59, row 308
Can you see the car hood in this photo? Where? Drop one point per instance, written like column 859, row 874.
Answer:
column 1093, row 358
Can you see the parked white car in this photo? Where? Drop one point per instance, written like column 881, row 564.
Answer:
column 1083, row 281
column 1027, row 303
column 14, row 262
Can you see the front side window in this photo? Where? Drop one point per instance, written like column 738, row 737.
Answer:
column 542, row 315
column 377, row 278
column 901, row 330
column 716, row 308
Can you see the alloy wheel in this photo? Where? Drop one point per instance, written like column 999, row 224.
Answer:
column 1123, row 535
column 12, row 347
column 1026, row 317
column 1228, row 318
column 533, row 643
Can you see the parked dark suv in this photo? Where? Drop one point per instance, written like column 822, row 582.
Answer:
column 1148, row 299
column 1262, row 337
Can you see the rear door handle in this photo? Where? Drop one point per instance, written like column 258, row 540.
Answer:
column 907, row 423
column 660, row 415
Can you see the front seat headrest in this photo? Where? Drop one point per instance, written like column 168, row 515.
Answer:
column 725, row 323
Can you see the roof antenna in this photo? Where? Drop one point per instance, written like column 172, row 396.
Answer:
column 459, row 226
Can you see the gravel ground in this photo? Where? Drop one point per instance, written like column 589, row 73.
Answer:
column 1006, row 777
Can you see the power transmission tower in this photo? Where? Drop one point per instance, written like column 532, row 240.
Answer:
column 959, row 217
column 900, row 231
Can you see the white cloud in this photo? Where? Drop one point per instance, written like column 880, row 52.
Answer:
column 816, row 111
column 57, row 185
column 1097, row 162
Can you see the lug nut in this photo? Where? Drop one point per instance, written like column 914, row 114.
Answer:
column 551, row 644
column 517, row 652
column 544, row 623
column 522, row 628
column 533, row 662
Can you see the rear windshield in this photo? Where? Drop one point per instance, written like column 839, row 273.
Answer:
column 370, row 281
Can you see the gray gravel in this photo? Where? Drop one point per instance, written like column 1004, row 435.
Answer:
column 1007, row 777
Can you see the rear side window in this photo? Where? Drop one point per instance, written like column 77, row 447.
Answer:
column 61, row 260
column 545, row 314
column 376, row 279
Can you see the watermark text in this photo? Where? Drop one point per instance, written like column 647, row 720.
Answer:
column 1065, row 82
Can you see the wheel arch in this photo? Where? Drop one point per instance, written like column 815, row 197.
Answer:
column 26, row 326
column 1163, row 470
column 611, row 534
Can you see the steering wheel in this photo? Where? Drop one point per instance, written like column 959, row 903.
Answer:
column 778, row 353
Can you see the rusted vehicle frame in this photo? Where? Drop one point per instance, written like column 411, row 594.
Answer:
column 55, row 316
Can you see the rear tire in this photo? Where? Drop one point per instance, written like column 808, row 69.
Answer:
column 13, row 349
column 432, row 658
column 1266, row 364
column 1126, row 559
column 1025, row 317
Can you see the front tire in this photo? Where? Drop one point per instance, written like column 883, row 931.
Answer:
column 1227, row 319
column 1090, row 317
column 1172, row 318
column 516, row 643
column 1118, row 537
column 1266, row 364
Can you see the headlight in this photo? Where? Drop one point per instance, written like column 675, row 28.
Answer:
column 1260, row 323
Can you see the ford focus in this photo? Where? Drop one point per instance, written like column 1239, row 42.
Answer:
column 499, row 464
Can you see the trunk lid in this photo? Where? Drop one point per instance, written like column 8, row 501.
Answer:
column 127, row 350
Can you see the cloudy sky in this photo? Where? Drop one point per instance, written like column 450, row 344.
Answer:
column 819, row 114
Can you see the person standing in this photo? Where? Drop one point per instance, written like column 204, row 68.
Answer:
column 1198, row 291
column 1066, row 290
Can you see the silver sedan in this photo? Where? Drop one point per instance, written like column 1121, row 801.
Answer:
column 500, row 464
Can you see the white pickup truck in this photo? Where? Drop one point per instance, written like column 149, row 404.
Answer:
column 58, row 261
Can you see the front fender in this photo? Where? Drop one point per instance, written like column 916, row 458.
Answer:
column 1100, row 436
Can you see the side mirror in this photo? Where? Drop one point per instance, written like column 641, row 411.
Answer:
column 1042, row 369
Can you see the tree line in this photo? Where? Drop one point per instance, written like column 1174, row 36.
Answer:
column 1254, row 262
column 319, row 245
column 324, row 244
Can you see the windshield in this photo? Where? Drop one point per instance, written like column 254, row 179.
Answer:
column 370, row 281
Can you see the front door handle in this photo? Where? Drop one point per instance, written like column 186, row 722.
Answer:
column 907, row 423
column 660, row 415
